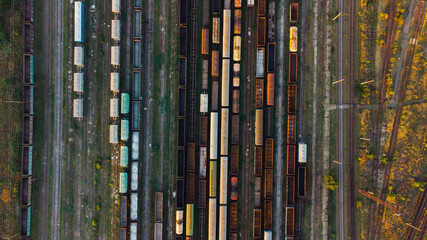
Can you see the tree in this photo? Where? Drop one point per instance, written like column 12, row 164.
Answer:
column 330, row 182
column 5, row 195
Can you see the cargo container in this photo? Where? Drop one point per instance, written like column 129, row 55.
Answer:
column 181, row 163
column 136, row 116
column 78, row 56
column 205, row 74
column 202, row 193
column 237, row 21
column 114, row 134
column 302, row 153
column 235, row 129
column 222, row 222
column 135, row 145
column 269, row 127
column 158, row 231
column 212, row 178
column 271, row 58
column 181, row 102
column 233, row 236
column 292, row 121
column 28, row 130
column 226, row 33
column 294, row 13
column 115, row 29
column 136, row 54
column 257, row 189
column 216, row 6
column 78, row 108
column 134, row 177
column 115, row 55
column 78, row 82
column 28, row 69
column 233, row 216
column 234, row 187
column 290, row 190
column 122, row 233
column 25, row 221
column 124, row 129
column 292, row 98
column 237, row 3
column 179, row 222
column 271, row 21
column 258, row 127
column 261, row 7
column 259, row 93
column 212, row 219
column 125, row 103
column 115, row 6
column 216, row 32
column 225, row 83
column 236, row 48
column 213, row 143
column 137, row 24
column 190, row 187
column 268, row 184
column 214, row 104
column 234, row 165
column 114, row 107
column 215, row 63
column 28, row 100
column 124, row 156
column 260, row 63
column 258, row 161
column 270, row 89
column 123, row 179
column 180, row 194
column 203, row 131
column 293, row 67
column 223, row 180
column 268, row 214
column 224, row 131
column 261, row 24
column 293, row 39
column 123, row 211
column 257, row 223
column 290, row 170
column 79, row 22
column 28, row 38
column 290, row 215
column 191, row 157
column 269, row 143
column 133, row 231
column 28, row 11
column 183, row 12
column 26, row 191
column 27, row 160
column 182, row 71
column 301, row 181
column 205, row 41
column 181, row 132
column 268, row 235
column 115, row 81
column 183, row 41
column 189, row 220
column 236, row 75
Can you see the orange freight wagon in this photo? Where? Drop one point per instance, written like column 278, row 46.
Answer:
column 292, row 98
column 205, row 41
column 269, row 142
column 237, row 21
column 290, row 170
column 270, row 89
column 215, row 63
column 257, row 223
column 268, row 184
column 292, row 121
column 268, row 214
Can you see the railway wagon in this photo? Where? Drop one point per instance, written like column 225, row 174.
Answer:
column 115, row 29
column 205, row 73
column 237, row 3
column 28, row 38
column 190, row 187
column 215, row 64
column 191, row 157
column 28, row 99
column 183, row 41
column 224, row 131
column 28, row 130
column 226, row 34
column 234, row 165
column 233, row 216
column 212, row 219
column 203, row 165
column 216, row 30
column 270, row 89
column 28, row 10
column 235, row 129
column 26, row 191
column 133, row 213
column 115, row 6
column 137, row 54
column 257, row 194
column 158, row 207
column 123, row 179
column 290, row 170
column 258, row 127
column 237, row 21
column 28, row 69
column 259, row 93
column 268, row 184
column 215, row 97
column 216, row 6
column 260, row 63
column 180, row 194
column 158, row 231
column 292, row 98
column 205, row 41
column 292, row 121
column 134, row 176
column 269, row 128
column 179, row 222
column 114, row 108
column 268, row 159
column 202, row 193
column 125, row 103
column 181, row 102
column 115, row 82
column 290, row 220
column 137, row 24
column 183, row 12
column 290, row 190
column 203, row 131
column 257, row 223
column 79, row 56
column 225, row 83
column 268, row 214
column 123, row 211
column 212, row 178
column 204, row 103
column 222, row 222
column 258, row 161
column 268, row 235
column 78, row 82
column 293, row 39
column 301, row 181
column 122, row 233
column 271, row 21
column 124, row 130
column 213, row 143
column 27, row 160
column 261, row 24
column 271, row 57
column 25, row 221
column 189, row 220
column 236, row 74
column 293, row 13
column 293, row 67
column 223, row 180
column 237, row 48
column 236, row 101
column 261, row 7
column 181, row 163
column 302, row 153
column 79, row 22
column 182, row 71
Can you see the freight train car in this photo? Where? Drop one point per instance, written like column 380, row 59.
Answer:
column 261, row 7
column 271, row 21
column 234, row 165
column 292, row 98
column 213, row 143
column 205, row 41
column 191, row 157
column 205, row 73
column 202, row 193
column 293, row 39
column 181, row 163
column 290, row 190
column 223, row 181
column 290, row 220
column 123, row 211
column 233, row 217
column 212, row 178
column 290, row 170
column 236, row 48
column 270, row 89
column 301, row 181
column 258, row 127
column 257, row 192
column 225, row 83
column 293, row 13
column 224, row 131
column 215, row 64
column 260, row 63
column 268, row 160
column 268, row 184
column 293, row 67
column 236, row 101
column 261, row 24
column 258, row 161
column 237, row 21
column 226, row 33
column 203, row 131
column 222, row 222
column 182, row 71
column 216, row 30
column 203, row 165
column 212, row 219
column 259, row 93
column 158, row 213
column 183, row 12
column 268, row 214
column 190, row 187
column 183, row 41
column 180, row 194
column 235, row 129
column 292, row 121
column 271, row 57
column 257, row 223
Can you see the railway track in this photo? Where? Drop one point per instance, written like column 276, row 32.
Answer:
column 419, row 215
